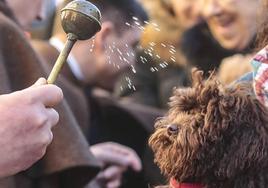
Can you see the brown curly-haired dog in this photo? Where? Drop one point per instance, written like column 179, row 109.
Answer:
column 214, row 136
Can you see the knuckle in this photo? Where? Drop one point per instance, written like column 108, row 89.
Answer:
column 56, row 117
column 58, row 93
column 40, row 119
column 46, row 139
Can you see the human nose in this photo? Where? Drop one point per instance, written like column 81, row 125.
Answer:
column 42, row 11
column 211, row 8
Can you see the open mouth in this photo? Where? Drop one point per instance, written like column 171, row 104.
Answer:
column 223, row 23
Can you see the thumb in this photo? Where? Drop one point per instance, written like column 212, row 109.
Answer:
column 39, row 82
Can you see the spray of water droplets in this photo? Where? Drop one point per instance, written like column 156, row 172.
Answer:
column 129, row 84
column 150, row 51
column 92, row 45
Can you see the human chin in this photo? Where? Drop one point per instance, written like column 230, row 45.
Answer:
column 229, row 39
column 234, row 43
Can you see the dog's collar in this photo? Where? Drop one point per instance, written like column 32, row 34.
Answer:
column 174, row 184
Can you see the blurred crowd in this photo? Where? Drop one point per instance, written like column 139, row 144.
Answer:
column 112, row 87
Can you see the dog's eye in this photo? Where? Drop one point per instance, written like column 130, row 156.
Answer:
column 172, row 129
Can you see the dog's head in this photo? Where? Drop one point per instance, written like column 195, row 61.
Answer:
column 211, row 132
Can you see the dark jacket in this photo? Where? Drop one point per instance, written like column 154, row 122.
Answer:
column 68, row 162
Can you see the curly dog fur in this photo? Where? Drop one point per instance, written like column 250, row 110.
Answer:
column 214, row 135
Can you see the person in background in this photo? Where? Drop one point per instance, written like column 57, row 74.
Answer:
column 234, row 25
column 95, row 64
column 160, row 64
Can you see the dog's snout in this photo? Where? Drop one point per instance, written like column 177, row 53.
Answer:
column 172, row 129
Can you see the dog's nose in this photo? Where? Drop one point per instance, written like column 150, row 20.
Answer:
column 172, row 129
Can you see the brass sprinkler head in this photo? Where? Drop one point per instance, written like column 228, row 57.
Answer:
column 81, row 18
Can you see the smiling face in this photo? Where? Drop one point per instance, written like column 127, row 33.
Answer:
column 232, row 22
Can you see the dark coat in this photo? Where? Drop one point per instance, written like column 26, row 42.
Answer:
column 68, row 162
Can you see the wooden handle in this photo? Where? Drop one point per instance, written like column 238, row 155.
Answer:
column 61, row 59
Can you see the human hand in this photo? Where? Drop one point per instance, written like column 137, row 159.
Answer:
column 27, row 117
column 117, row 158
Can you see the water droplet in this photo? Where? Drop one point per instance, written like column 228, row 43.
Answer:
column 172, row 52
column 128, row 24
column 135, row 18
column 152, row 69
column 137, row 23
column 126, row 60
column 162, row 44
column 152, row 43
column 146, row 22
column 133, row 69
column 119, row 51
column 171, row 46
column 172, row 59
column 163, row 65
column 92, row 45
column 154, row 24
